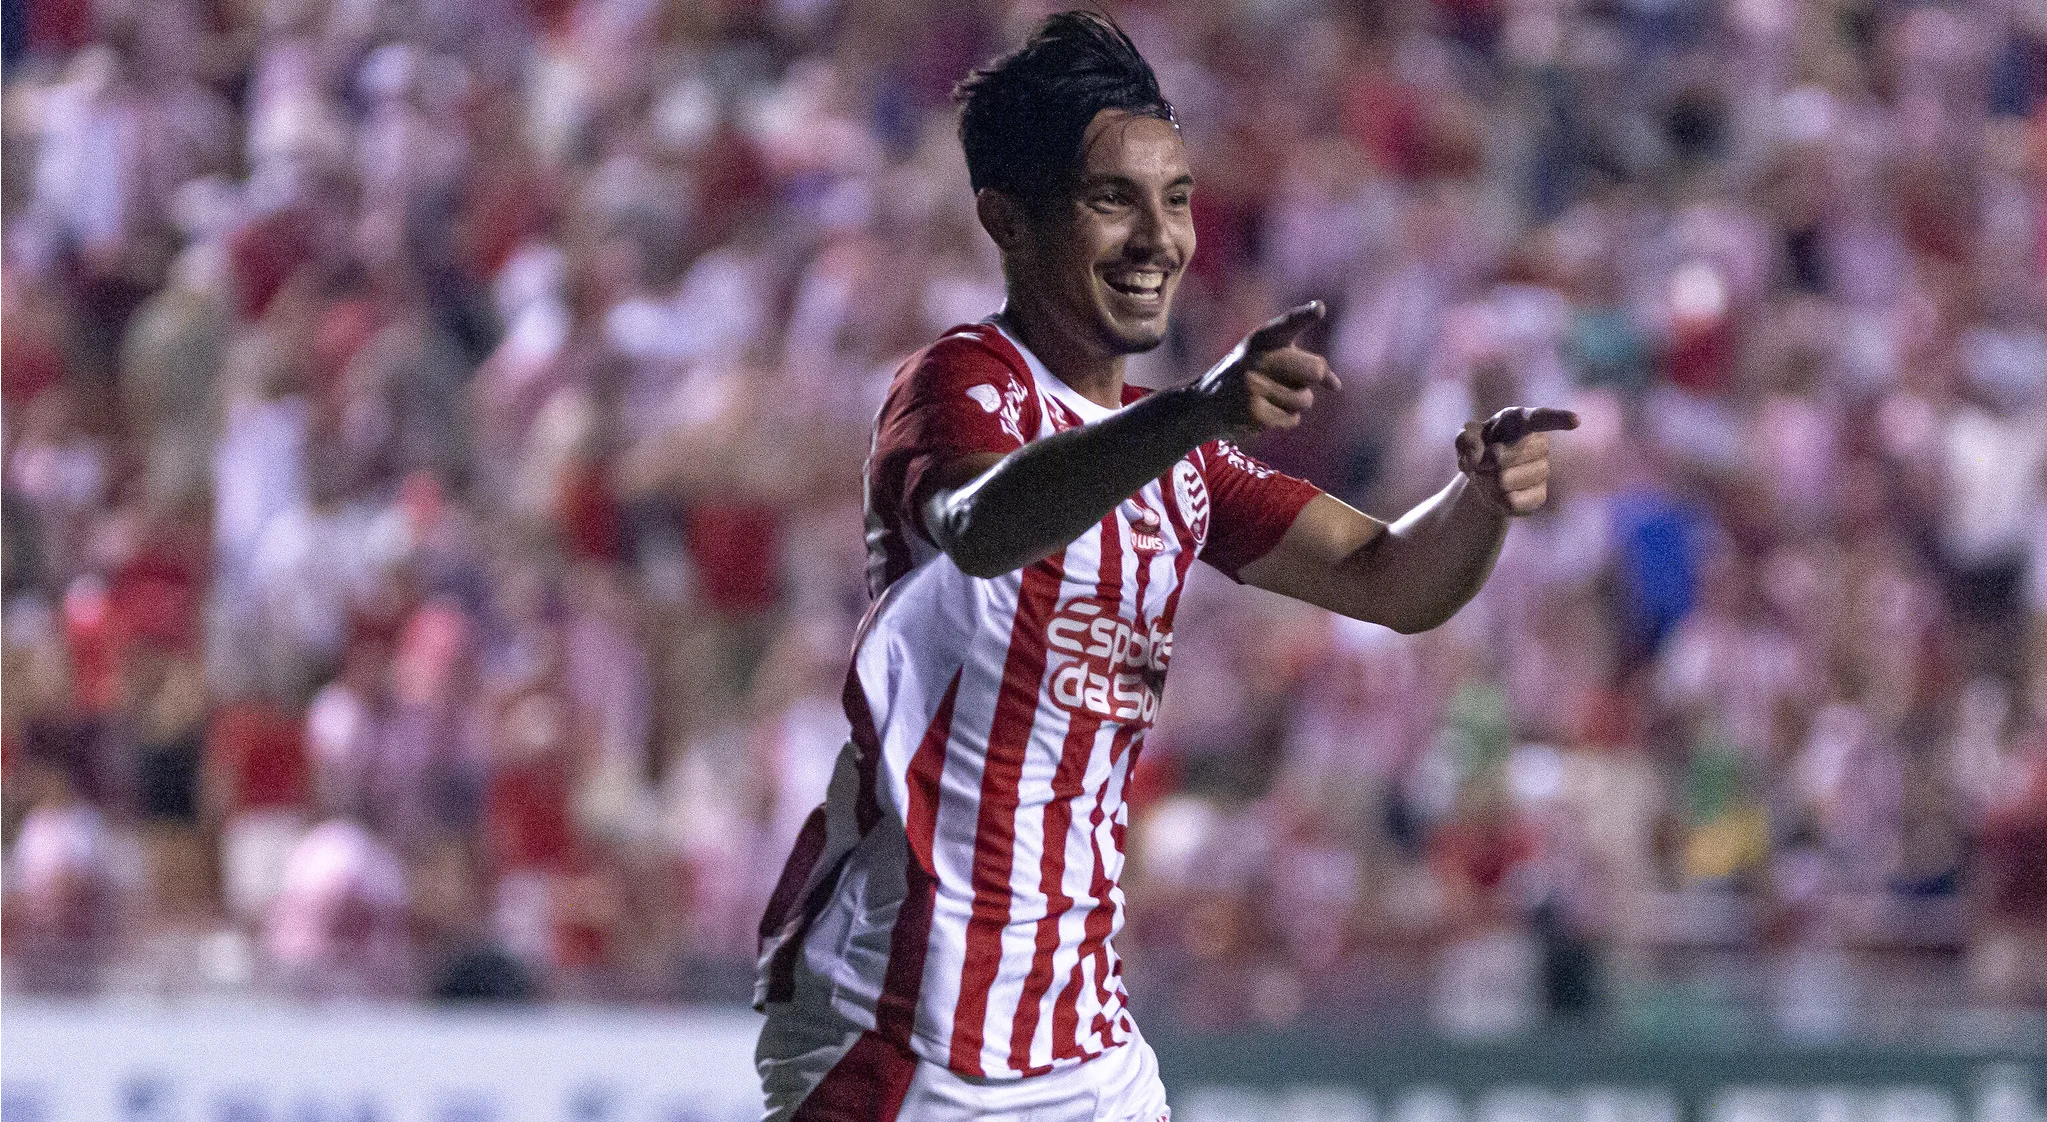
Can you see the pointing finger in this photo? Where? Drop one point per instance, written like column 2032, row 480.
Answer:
column 1284, row 328
column 1297, row 369
column 1551, row 420
column 1510, row 425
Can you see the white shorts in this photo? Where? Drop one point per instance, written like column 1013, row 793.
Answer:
column 823, row 1070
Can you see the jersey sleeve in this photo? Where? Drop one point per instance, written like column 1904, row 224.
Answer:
column 1251, row 506
column 956, row 398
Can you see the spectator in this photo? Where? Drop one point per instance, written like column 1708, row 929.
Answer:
column 445, row 425
column 336, row 929
column 64, row 905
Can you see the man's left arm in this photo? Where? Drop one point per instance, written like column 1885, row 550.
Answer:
column 1415, row 572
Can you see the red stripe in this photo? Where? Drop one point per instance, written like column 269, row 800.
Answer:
column 795, row 874
column 1137, row 746
column 1101, row 919
column 895, row 1013
column 1067, row 784
column 803, row 858
column 895, row 547
column 866, row 738
column 782, row 969
column 868, row 1084
column 1066, row 1012
column 1183, row 561
column 1104, row 970
column 866, row 752
column 1095, row 929
column 781, row 917
column 1016, row 709
column 1181, row 564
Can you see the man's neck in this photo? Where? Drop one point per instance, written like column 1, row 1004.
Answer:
column 1092, row 374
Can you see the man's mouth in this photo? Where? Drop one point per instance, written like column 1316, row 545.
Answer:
column 1143, row 284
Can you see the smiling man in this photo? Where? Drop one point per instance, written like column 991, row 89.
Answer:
column 941, row 943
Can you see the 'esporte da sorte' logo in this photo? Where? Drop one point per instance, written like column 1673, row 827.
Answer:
column 1105, row 666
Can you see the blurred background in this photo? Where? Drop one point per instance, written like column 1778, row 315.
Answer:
column 432, row 435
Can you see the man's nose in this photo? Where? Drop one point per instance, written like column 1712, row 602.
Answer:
column 1147, row 232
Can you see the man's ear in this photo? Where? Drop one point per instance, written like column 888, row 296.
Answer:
column 1003, row 217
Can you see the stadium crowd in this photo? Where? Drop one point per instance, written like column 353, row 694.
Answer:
column 432, row 433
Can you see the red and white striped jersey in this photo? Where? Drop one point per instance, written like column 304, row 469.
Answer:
column 958, row 891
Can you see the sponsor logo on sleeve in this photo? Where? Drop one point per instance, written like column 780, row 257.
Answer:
column 1243, row 463
column 1011, row 414
column 1006, row 404
column 1192, row 494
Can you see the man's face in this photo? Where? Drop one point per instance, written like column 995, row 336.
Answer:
column 1109, row 256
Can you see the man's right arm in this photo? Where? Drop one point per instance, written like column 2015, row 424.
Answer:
column 993, row 514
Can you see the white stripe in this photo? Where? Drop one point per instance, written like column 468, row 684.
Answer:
column 1077, row 883
column 959, row 805
column 986, row 673
column 1049, row 726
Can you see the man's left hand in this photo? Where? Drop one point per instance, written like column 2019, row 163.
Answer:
column 1507, row 457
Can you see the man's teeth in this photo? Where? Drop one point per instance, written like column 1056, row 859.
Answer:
column 1138, row 282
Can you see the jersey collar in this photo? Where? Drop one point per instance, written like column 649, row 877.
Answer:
column 1049, row 382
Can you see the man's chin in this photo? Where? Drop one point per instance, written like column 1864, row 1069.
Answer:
column 1135, row 338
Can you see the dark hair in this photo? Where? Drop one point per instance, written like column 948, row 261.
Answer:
column 1023, row 116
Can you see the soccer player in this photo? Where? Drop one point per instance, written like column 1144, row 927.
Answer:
column 941, row 943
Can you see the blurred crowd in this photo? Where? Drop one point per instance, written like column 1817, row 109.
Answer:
column 432, row 435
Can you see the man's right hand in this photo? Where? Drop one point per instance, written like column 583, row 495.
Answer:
column 1266, row 381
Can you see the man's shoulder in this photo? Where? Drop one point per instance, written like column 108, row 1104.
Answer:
column 969, row 387
column 973, row 363
column 967, row 351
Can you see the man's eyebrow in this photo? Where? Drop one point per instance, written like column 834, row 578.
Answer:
column 1112, row 179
